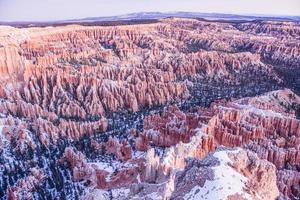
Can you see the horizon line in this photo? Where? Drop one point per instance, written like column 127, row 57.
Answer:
column 148, row 12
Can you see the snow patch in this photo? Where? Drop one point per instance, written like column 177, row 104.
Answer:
column 154, row 196
column 103, row 166
column 265, row 113
column 111, row 167
column 251, row 109
column 96, row 194
column 120, row 193
column 226, row 181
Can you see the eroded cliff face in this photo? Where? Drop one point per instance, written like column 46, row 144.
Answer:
column 76, row 74
column 268, row 126
column 265, row 166
column 85, row 110
column 227, row 174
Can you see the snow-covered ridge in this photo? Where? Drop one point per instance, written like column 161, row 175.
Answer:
column 227, row 181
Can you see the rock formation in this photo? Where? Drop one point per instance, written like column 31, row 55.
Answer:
column 227, row 174
column 25, row 187
column 139, row 111
column 267, row 167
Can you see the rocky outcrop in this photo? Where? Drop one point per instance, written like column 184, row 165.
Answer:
column 94, row 65
column 77, row 73
column 122, row 151
column 272, row 134
column 227, row 174
column 176, row 170
column 288, row 183
column 48, row 132
column 102, row 175
column 249, row 123
column 170, row 128
column 24, row 187
column 70, row 97
column 283, row 29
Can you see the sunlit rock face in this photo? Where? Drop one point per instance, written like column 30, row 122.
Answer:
column 227, row 174
column 266, row 125
column 140, row 111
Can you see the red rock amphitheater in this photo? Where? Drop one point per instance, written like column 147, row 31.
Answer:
column 173, row 109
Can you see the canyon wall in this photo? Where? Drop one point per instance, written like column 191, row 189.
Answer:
column 136, row 111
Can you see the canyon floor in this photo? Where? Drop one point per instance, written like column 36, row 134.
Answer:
column 174, row 108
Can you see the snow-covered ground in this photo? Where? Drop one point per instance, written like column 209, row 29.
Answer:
column 226, row 181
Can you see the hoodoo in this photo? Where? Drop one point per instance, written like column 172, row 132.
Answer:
column 173, row 108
